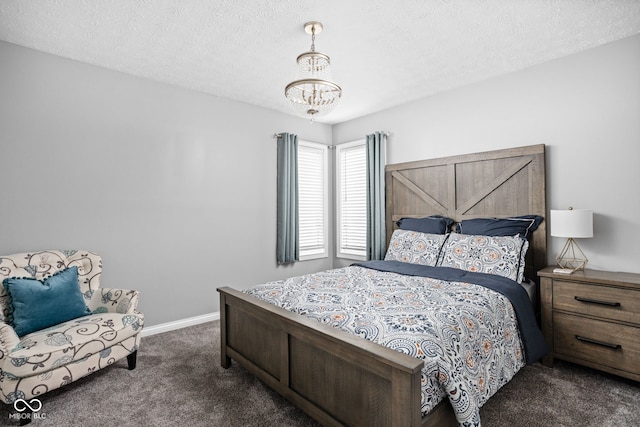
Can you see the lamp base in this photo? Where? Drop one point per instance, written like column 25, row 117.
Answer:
column 571, row 257
column 563, row 270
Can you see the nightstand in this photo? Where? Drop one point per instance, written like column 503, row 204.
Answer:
column 592, row 318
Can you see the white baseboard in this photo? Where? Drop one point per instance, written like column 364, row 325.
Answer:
column 179, row 324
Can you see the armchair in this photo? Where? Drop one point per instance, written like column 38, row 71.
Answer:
column 35, row 362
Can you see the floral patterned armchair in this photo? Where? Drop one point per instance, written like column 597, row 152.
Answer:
column 34, row 363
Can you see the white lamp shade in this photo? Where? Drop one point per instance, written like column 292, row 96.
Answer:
column 576, row 223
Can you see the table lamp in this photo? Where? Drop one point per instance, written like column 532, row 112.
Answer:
column 572, row 224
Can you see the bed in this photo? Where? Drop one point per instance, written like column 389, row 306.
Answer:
column 342, row 378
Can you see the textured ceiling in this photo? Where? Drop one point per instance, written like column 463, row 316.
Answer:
column 383, row 52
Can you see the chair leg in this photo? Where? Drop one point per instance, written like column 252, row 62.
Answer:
column 131, row 360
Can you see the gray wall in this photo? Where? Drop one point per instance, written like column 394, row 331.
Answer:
column 585, row 108
column 175, row 189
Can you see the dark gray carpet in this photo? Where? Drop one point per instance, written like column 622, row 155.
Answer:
column 179, row 381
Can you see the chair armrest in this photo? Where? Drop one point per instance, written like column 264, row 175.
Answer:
column 111, row 300
column 8, row 339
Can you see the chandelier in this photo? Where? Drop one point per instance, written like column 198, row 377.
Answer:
column 314, row 94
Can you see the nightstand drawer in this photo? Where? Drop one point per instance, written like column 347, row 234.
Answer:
column 595, row 300
column 597, row 341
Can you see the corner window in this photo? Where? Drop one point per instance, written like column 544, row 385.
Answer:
column 351, row 197
column 312, row 200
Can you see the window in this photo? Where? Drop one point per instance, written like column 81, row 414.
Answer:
column 351, row 168
column 312, row 200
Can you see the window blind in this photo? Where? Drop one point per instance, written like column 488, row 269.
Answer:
column 352, row 199
column 312, row 199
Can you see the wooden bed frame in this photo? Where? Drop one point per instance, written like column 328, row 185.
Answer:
column 342, row 379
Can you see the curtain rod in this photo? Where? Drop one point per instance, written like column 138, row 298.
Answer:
column 385, row 132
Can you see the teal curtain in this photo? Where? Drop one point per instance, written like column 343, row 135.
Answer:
column 287, row 245
column 376, row 159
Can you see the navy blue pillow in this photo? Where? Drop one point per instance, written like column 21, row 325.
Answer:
column 523, row 225
column 39, row 304
column 434, row 224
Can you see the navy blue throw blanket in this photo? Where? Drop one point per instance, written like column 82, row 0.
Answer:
column 534, row 344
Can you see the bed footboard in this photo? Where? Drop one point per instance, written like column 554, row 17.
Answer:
column 335, row 377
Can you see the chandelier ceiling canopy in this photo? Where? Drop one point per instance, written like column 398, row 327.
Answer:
column 313, row 94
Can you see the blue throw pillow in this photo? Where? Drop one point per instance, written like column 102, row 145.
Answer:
column 523, row 225
column 40, row 304
column 434, row 224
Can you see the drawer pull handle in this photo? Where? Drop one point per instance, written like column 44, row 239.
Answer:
column 602, row 343
column 595, row 301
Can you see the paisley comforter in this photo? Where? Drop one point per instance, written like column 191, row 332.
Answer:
column 466, row 333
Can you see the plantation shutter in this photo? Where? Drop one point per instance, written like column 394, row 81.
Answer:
column 311, row 198
column 353, row 200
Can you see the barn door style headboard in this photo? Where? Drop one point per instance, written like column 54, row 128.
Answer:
column 499, row 184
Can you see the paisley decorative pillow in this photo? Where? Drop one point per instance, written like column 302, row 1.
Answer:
column 501, row 255
column 523, row 255
column 415, row 247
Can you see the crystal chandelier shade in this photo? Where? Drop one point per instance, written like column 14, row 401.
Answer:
column 313, row 94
